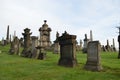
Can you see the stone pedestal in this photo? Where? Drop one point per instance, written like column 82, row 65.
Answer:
column 93, row 56
column 67, row 50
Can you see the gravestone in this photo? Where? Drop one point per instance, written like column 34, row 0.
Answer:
column 14, row 48
column 86, row 40
column 34, row 45
column 41, row 54
column 56, row 44
column 27, row 47
column 67, row 50
column 93, row 56
column 80, row 44
column 108, row 48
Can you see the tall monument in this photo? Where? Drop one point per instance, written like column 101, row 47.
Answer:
column 45, row 35
column 7, row 37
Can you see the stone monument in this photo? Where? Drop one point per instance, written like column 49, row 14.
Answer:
column 41, row 54
column 27, row 47
column 7, row 37
column 34, row 45
column 86, row 40
column 56, row 44
column 67, row 50
column 93, row 56
column 45, row 35
column 14, row 49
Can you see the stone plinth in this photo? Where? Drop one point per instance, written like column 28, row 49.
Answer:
column 67, row 50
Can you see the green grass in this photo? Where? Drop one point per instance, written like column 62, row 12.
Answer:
column 14, row 67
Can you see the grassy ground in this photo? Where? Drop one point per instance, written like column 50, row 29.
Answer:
column 14, row 67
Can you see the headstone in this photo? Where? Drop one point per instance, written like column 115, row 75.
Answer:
column 103, row 48
column 14, row 48
column 80, row 44
column 27, row 47
column 86, row 40
column 67, row 50
column 93, row 56
column 41, row 54
column 45, row 35
column 21, row 42
column 56, row 44
column 34, row 45
column 108, row 48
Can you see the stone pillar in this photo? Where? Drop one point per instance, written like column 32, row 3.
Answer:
column 7, row 38
column 93, row 56
column 119, row 45
column 67, row 50
column 27, row 48
column 80, row 44
column 114, row 49
column 91, row 36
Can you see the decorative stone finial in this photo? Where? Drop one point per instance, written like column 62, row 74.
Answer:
column 45, row 21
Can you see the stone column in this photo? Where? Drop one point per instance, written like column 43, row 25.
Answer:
column 27, row 48
column 114, row 49
column 7, row 38
column 67, row 50
column 91, row 36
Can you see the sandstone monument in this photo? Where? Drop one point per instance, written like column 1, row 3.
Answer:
column 45, row 35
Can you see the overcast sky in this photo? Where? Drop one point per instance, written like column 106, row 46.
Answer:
column 77, row 17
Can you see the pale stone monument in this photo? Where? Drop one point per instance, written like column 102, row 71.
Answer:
column 34, row 45
column 14, row 48
column 7, row 37
column 67, row 50
column 56, row 44
column 27, row 47
column 93, row 56
column 45, row 35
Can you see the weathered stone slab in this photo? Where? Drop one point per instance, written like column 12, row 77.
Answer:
column 93, row 56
